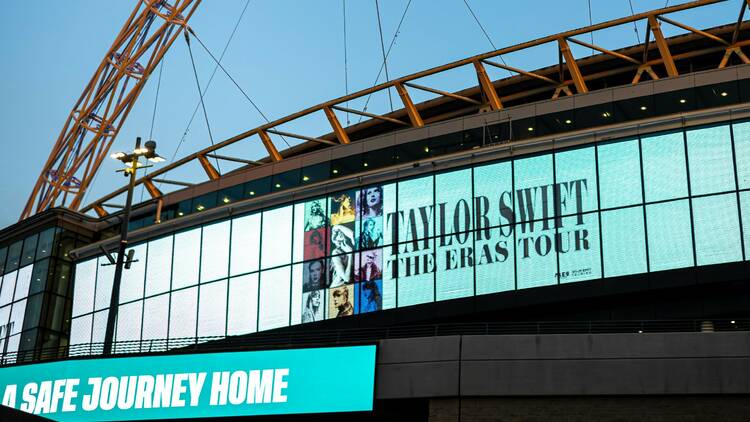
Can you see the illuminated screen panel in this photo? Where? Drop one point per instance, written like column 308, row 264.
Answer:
column 710, row 158
column 453, row 207
column 536, row 260
column 390, row 276
column 619, row 173
column 296, row 305
column 741, row 134
column 415, row 201
column 454, row 260
column 187, row 254
column 389, row 214
column 274, row 298
column 578, row 248
column 212, row 309
column 575, row 184
column 215, row 252
column 245, row 250
column 493, row 194
column 133, row 279
column 272, row 382
column 623, row 242
column 159, row 268
column 242, row 309
column 533, row 179
column 495, row 260
column 664, row 170
column 182, row 313
column 745, row 211
column 416, row 272
column 670, row 242
column 717, row 229
column 276, row 243
column 369, row 225
column 83, row 291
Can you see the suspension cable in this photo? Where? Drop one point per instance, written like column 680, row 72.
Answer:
column 635, row 25
column 208, row 84
column 591, row 23
column 200, row 94
column 382, row 49
column 486, row 35
column 153, row 114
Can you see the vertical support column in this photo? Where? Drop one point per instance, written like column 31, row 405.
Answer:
column 666, row 56
column 487, row 87
column 341, row 134
column 208, row 167
column 270, row 147
column 570, row 61
column 152, row 189
column 416, row 119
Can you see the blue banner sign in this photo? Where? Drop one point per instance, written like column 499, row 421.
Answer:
column 333, row 379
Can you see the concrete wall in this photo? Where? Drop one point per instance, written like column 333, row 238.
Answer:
column 567, row 364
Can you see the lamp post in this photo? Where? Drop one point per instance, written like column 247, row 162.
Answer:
column 133, row 163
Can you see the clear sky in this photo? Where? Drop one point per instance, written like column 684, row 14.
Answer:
column 286, row 54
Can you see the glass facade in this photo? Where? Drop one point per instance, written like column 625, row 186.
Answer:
column 658, row 202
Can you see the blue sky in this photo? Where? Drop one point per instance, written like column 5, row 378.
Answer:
column 287, row 55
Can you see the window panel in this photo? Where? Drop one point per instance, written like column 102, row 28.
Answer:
column 534, row 196
column 623, row 242
column 46, row 240
column 105, row 276
column 493, row 194
column 619, row 174
column 186, row 260
column 710, row 159
column 717, row 229
column 575, row 173
column 7, row 288
column 245, row 250
column 370, row 218
column 29, row 250
column 14, row 256
column 215, row 252
column 297, row 279
column 311, row 228
column 453, row 202
column 416, row 269
column 495, row 261
column 3, row 255
column 741, row 133
column 536, row 260
column 342, row 301
column 159, row 268
column 664, row 170
column 80, row 333
column 277, row 237
column 578, row 248
column 745, row 211
column 182, row 313
column 670, row 243
column 39, row 277
column 23, row 282
column 455, row 266
column 415, row 202
column 98, row 330
column 17, row 313
column 274, row 298
column 155, row 318
column 133, row 279
column 389, row 213
column 212, row 309
column 390, row 275
column 243, row 305
column 128, row 327
column 4, row 318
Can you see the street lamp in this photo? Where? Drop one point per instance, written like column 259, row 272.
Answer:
column 132, row 160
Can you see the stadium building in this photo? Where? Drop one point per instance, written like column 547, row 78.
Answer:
column 571, row 242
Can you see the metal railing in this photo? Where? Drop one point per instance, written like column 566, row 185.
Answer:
column 311, row 337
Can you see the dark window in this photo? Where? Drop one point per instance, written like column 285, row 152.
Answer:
column 452, row 142
column 14, row 256
column 230, row 194
column 379, row 158
column 596, row 115
column 33, row 311
column 498, row 133
column 204, row 202
column 316, row 173
column 39, row 276
column 717, row 95
column 674, row 102
column 634, row 109
column 46, row 240
column 413, row 151
column 3, row 255
column 257, row 187
column 346, row 166
column 472, row 138
column 744, row 86
column 523, row 128
column 286, row 180
column 61, row 278
column 556, row 122
column 184, row 208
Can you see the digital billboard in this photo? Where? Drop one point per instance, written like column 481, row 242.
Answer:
column 612, row 208
column 270, row 382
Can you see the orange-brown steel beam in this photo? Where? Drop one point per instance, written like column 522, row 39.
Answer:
column 341, row 134
column 570, row 62
column 152, row 189
column 411, row 110
column 212, row 173
column 488, row 89
column 661, row 43
column 100, row 211
column 270, row 147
